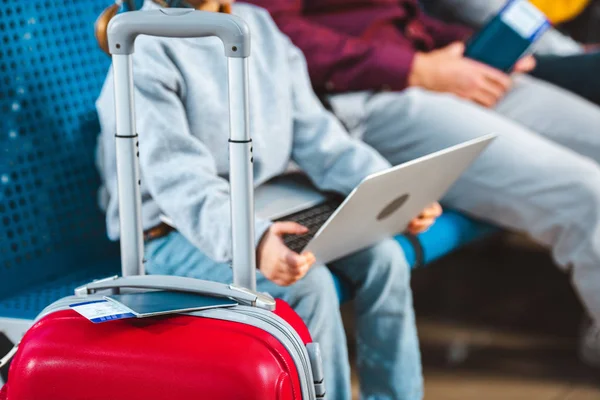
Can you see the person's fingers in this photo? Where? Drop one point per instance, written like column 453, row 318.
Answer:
column 212, row 6
column 293, row 260
column 309, row 258
column 413, row 230
column 297, row 265
column 493, row 88
column 525, row 64
column 427, row 221
column 416, row 223
column 309, row 261
column 281, row 275
column 288, row 227
column 289, row 278
column 291, row 268
column 456, row 49
column 484, row 98
column 496, row 76
column 421, row 224
column 433, row 211
column 436, row 210
column 301, row 272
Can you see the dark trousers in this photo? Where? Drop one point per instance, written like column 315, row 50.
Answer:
column 579, row 73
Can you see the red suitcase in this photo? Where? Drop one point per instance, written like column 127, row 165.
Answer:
column 258, row 349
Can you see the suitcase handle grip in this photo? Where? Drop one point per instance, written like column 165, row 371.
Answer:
column 182, row 23
column 180, row 284
column 178, row 23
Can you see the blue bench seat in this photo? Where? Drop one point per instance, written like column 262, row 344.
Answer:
column 450, row 232
column 52, row 236
column 28, row 303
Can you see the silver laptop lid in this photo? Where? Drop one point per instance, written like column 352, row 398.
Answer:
column 384, row 203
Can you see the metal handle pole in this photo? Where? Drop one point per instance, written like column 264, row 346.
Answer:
column 128, row 174
column 235, row 35
column 241, row 176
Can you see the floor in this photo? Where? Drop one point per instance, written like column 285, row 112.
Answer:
column 497, row 321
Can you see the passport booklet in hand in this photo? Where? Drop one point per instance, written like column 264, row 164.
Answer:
column 508, row 36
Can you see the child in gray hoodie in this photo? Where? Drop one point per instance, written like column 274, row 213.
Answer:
column 182, row 117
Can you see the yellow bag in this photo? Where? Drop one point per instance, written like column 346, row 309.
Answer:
column 559, row 11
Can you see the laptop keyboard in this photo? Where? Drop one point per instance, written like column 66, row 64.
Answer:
column 312, row 218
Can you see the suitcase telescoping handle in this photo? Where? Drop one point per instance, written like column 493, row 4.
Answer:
column 235, row 35
column 180, row 284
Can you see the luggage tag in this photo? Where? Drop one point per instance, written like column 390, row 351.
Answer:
column 99, row 311
column 147, row 304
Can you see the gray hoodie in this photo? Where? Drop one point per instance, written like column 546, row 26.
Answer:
column 183, row 122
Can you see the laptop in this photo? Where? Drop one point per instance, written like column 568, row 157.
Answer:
column 381, row 206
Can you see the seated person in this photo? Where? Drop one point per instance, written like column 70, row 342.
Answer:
column 400, row 82
column 183, row 118
column 560, row 59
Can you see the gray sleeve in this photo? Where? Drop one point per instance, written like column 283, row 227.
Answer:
column 178, row 170
column 558, row 44
column 476, row 12
column 321, row 147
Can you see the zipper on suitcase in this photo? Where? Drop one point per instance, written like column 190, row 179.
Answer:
column 316, row 383
column 281, row 331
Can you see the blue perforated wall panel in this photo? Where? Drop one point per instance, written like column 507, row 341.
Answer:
column 51, row 72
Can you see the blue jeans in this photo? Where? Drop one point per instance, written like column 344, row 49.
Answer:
column 389, row 361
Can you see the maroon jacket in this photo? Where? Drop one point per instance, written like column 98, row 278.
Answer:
column 355, row 45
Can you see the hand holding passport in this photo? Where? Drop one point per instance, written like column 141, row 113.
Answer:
column 479, row 71
column 447, row 70
column 508, row 36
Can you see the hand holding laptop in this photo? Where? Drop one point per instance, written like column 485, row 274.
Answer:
column 276, row 261
column 424, row 220
column 283, row 266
